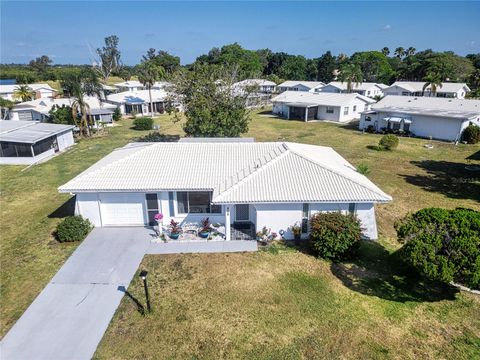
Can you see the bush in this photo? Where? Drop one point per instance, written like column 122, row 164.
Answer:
column 143, row 123
column 471, row 134
column 156, row 136
column 443, row 244
column 117, row 114
column 389, row 141
column 334, row 236
column 73, row 228
column 363, row 169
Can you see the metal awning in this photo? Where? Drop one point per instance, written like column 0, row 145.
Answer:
column 393, row 119
column 406, row 121
column 299, row 104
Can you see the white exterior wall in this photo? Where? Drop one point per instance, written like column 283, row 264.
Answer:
column 88, row 206
column 65, row 140
column 282, row 216
column 330, row 89
column 26, row 160
column 323, row 115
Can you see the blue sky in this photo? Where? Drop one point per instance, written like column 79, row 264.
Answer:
column 65, row 30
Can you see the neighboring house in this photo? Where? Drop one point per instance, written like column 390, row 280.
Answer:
column 415, row 88
column 242, row 185
column 40, row 90
column 369, row 89
column 439, row 118
column 293, row 85
column 135, row 85
column 264, row 86
column 298, row 105
column 27, row 142
column 39, row 110
column 138, row 102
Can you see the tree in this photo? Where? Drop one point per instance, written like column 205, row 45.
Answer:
column 109, row 57
column 410, row 51
column 61, row 115
column 125, row 73
column 443, row 244
column 434, row 80
column 326, row 65
column 168, row 62
column 5, row 107
column 293, row 68
column 212, row 106
column 351, row 74
column 399, row 52
column 148, row 74
column 40, row 64
column 79, row 85
column 374, row 66
column 23, row 93
column 386, row 51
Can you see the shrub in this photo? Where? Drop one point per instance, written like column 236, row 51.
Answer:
column 471, row 134
column 117, row 115
column 334, row 236
column 389, row 141
column 443, row 244
column 73, row 228
column 143, row 123
column 363, row 169
column 156, row 136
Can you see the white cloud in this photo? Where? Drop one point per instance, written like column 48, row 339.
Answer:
column 20, row 44
column 387, row 27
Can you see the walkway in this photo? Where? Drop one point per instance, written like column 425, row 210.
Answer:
column 173, row 247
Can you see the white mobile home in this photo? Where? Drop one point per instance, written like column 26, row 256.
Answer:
column 28, row 142
column 439, row 118
column 415, row 88
column 298, row 105
column 236, row 184
column 369, row 89
column 294, row 85
column 39, row 90
column 138, row 102
column 263, row 86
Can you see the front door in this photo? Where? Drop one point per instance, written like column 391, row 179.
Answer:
column 242, row 212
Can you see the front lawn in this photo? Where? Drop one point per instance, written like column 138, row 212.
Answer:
column 314, row 293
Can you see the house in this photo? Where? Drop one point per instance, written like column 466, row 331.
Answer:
column 369, row 89
column 28, row 142
column 242, row 185
column 138, row 102
column 415, row 88
column 439, row 118
column 40, row 90
column 39, row 110
column 263, row 86
column 293, row 85
column 135, row 85
column 299, row 105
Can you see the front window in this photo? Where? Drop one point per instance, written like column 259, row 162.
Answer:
column 354, row 108
column 196, row 202
column 345, row 111
column 329, row 110
column 305, row 211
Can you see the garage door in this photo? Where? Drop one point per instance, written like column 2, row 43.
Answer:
column 122, row 209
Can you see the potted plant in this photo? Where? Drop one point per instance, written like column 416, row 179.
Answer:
column 297, row 233
column 205, row 229
column 174, row 230
column 159, row 219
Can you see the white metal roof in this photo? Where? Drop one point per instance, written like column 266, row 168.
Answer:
column 137, row 97
column 364, row 86
column 236, row 172
column 129, row 84
column 44, row 105
column 417, row 86
column 255, row 82
column 29, row 132
column 7, row 89
column 432, row 106
column 320, row 98
column 309, row 84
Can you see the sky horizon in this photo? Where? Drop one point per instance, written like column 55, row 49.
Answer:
column 69, row 31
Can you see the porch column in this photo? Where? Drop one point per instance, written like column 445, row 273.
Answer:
column 288, row 112
column 306, row 114
column 228, row 235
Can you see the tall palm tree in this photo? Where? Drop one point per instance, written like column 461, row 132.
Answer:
column 386, row 51
column 399, row 52
column 80, row 85
column 433, row 80
column 24, row 93
column 148, row 74
column 351, row 74
column 410, row 51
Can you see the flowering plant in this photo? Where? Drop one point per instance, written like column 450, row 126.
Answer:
column 158, row 217
column 205, row 225
column 174, row 228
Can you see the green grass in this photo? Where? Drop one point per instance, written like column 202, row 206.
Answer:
column 273, row 304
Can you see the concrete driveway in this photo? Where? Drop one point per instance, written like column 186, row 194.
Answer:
column 68, row 318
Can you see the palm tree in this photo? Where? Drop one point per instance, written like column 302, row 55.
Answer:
column 386, row 51
column 80, row 85
column 433, row 80
column 24, row 93
column 5, row 107
column 400, row 52
column 351, row 74
column 148, row 74
column 410, row 51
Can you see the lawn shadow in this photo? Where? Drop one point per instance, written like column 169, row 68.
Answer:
column 265, row 112
column 138, row 304
column 474, row 156
column 452, row 179
column 378, row 272
column 66, row 209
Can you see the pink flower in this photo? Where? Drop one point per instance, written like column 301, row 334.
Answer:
column 158, row 216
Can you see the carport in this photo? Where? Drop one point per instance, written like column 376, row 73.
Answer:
column 302, row 111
